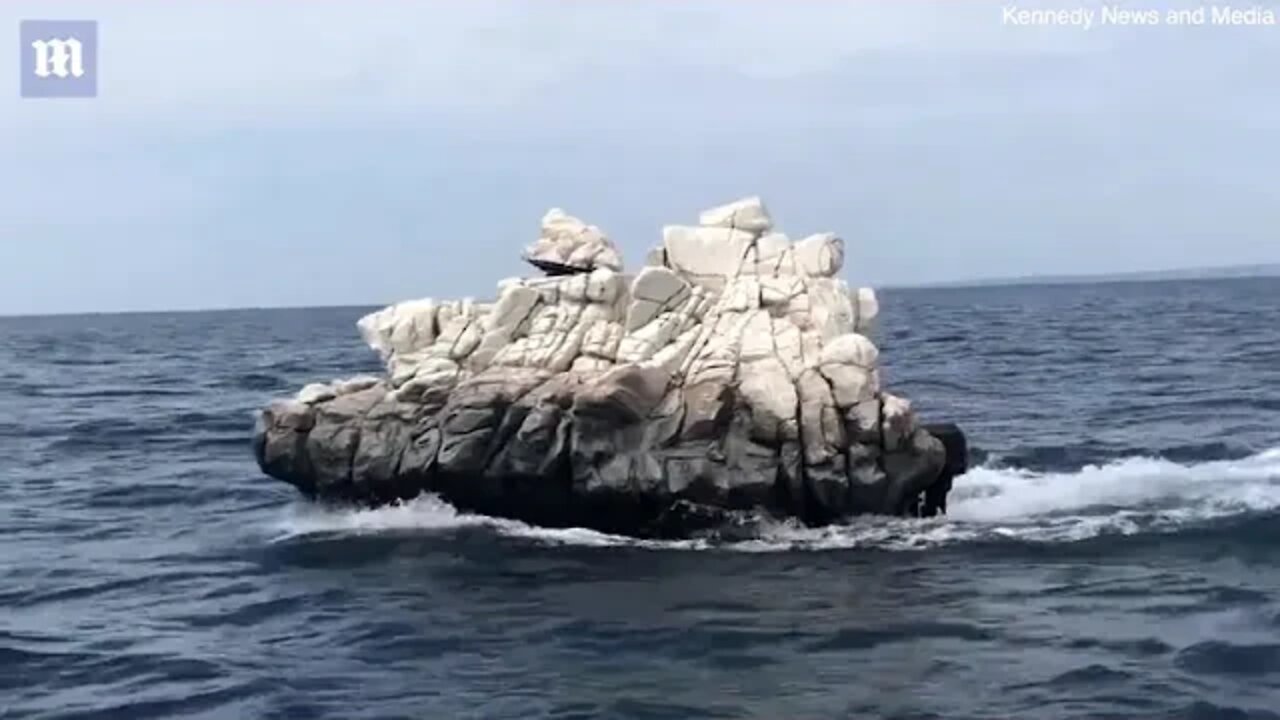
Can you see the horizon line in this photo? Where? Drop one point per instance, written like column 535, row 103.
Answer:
column 1214, row 272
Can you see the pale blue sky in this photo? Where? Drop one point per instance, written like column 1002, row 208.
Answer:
column 258, row 154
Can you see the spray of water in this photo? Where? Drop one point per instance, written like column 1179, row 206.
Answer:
column 1125, row 497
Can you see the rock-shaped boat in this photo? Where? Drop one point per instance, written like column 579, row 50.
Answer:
column 733, row 373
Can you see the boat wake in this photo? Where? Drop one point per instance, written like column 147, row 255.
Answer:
column 1128, row 497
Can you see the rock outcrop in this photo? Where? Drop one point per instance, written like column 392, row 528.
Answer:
column 567, row 245
column 733, row 373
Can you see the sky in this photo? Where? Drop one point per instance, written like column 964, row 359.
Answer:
column 253, row 154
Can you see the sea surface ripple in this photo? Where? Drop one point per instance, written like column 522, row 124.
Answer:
column 1116, row 554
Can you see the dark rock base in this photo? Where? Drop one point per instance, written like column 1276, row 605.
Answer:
column 536, row 450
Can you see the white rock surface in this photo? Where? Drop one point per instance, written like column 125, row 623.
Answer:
column 898, row 421
column 316, row 392
column 655, row 289
column 774, row 255
column 850, row 349
column 566, row 240
column 850, row 385
column 354, row 384
column 866, row 310
column 820, row 443
column 820, row 255
column 401, row 328
column 513, row 307
column 757, row 337
column 705, row 251
column 771, row 395
column 727, row 302
column 746, row 214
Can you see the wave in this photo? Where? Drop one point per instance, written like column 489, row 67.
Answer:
column 1127, row 497
column 430, row 513
column 1203, row 490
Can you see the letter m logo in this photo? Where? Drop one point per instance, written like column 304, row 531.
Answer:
column 59, row 58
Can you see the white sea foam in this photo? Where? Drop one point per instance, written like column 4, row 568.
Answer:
column 429, row 513
column 1125, row 497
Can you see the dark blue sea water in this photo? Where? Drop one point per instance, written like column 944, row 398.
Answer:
column 1116, row 555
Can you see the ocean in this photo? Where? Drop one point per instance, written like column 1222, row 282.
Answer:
column 1115, row 552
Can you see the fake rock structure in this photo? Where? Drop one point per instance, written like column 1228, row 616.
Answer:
column 733, row 373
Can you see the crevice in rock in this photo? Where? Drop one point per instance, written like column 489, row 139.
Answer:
column 803, row 506
column 350, row 479
column 507, row 427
